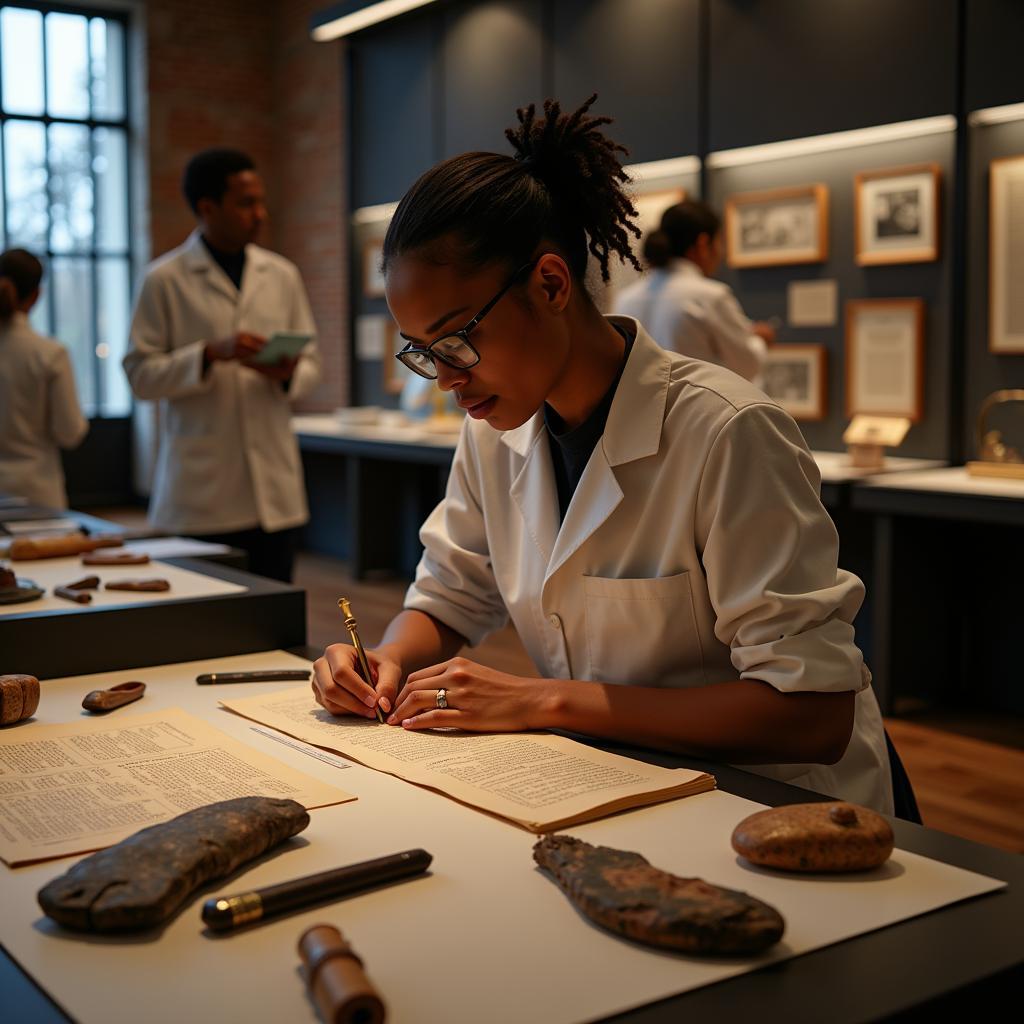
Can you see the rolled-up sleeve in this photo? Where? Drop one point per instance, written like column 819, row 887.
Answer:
column 455, row 579
column 770, row 553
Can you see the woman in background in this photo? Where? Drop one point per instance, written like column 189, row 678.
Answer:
column 680, row 303
column 39, row 410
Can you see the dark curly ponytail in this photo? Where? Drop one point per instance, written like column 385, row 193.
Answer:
column 565, row 185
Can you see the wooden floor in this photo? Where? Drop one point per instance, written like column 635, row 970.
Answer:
column 966, row 784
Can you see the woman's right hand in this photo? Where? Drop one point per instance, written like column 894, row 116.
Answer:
column 338, row 686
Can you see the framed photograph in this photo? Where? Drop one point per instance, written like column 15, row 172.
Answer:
column 795, row 376
column 779, row 227
column 1006, row 255
column 896, row 214
column 885, row 357
column 373, row 279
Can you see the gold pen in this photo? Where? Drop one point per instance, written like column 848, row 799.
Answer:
column 364, row 665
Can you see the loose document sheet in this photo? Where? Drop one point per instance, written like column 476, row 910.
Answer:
column 68, row 789
column 536, row 780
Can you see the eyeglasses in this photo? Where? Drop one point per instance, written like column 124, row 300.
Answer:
column 454, row 349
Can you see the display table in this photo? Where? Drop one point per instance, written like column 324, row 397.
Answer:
column 370, row 487
column 211, row 610
column 948, row 560
column 486, row 936
column 838, row 473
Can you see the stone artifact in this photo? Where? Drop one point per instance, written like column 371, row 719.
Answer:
column 337, row 983
column 25, row 548
column 145, row 879
column 7, row 578
column 146, row 585
column 19, row 698
column 114, row 697
column 815, row 837
column 622, row 892
column 115, row 558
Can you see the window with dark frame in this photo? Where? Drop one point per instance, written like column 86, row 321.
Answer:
column 64, row 171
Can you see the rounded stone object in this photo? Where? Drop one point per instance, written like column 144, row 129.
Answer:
column 19, row 698
column 827, row 837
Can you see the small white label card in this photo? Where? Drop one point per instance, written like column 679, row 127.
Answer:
column 813, row 303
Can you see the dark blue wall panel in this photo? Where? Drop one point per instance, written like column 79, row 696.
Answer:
column 492, row 64
column 642, row 60
column 994, row 41
column 784, row 69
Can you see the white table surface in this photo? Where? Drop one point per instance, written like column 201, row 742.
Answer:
column 835, row 467
column 328, row 425
column 485, row 937
column 952, row 480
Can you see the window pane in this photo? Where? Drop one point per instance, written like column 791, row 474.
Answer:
column 70, row 188
column 25, row 156
column 67, row 66
column 72, row 293
column 111, row 169
column 22, row 60
column 39, row 317
column 112, row 321
column 107, row 41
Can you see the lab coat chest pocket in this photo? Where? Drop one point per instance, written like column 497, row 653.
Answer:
column 642, row 631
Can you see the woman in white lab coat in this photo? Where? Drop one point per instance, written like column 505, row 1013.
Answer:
column 683, row 306
column 39, row 410
column 650, row 523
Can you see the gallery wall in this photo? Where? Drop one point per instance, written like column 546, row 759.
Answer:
column 694, row 77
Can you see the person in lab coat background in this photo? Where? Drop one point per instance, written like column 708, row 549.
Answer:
column 681, row 304
column 228, row 468
column 650, row 522
column 39, row 410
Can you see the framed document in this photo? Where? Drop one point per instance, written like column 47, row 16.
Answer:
column 897, row 215
column 795, row 377
column 373, row 278
column 885, row 357
column 779, row 227
column 1006, row 255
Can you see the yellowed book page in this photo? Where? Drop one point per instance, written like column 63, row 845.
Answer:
column 537, row 780
column 67, row 789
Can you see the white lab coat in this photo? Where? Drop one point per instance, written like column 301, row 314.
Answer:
column 39, row 413
column 695, row 550
column 697, row 316
column 228, row 458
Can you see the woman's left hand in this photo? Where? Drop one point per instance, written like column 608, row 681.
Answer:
column 480, row 699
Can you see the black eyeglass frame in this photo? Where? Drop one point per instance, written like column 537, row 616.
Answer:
column 462, row 334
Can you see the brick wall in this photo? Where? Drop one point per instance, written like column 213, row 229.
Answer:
column 245, row 74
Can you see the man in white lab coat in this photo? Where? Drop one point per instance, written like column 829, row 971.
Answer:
column 681, row 304
column 228, row 467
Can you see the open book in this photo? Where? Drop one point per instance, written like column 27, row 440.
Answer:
column 539, row 781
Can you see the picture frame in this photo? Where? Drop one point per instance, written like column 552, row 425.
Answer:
column 649, row 207
column 885, row 357
column 897, row 214
column 777, row 227
column 373, row 279
column 796, row 378
column 393, row 373
column 1006, row 256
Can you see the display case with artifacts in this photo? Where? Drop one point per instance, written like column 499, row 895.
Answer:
column 1000, row 451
